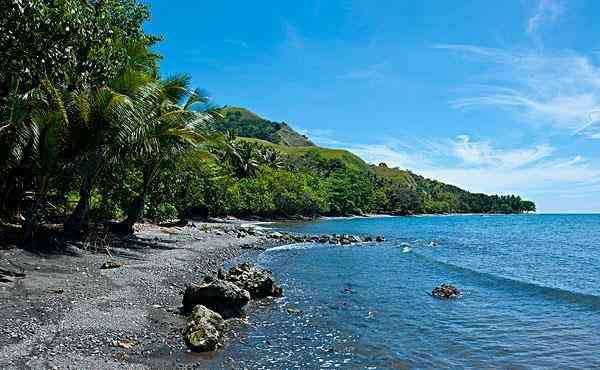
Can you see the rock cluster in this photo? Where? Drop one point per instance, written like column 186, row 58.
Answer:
column 325, row 239
column 213, row 300
column 446, row 291
column 257, row 282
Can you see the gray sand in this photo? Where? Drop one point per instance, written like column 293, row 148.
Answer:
column 67, row 313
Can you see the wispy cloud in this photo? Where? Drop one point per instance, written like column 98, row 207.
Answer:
column 562, row 89
column 371, row 72
column 545, row 11
column 377, row 153
column 482, row 166
column 484, row 153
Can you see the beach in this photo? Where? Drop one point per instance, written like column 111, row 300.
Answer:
column 69, row 313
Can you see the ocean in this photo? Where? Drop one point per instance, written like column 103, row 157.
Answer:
column 531, row 286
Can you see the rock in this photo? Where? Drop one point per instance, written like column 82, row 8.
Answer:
column 379, row 238
column 222, row 296
column 110, row 265
column 446, row 291
column 203, row 330
column 353, row 238
column 368, row 239
column 345, row 241
column 258, row 282
column 276, row 235
column 127, row 344
column 324, row 238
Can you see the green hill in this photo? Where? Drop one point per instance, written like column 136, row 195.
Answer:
column 351, row 160
column 247, row 124
column 399, row 191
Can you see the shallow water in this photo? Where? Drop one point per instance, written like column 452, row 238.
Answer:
column 531, row 296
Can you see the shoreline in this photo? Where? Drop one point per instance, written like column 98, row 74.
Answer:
column 67, row 312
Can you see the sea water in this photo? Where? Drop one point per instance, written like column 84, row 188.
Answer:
column 531, row 286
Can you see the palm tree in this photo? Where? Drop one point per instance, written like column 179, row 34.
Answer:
column 35, row 125
column 271, row 157
column 169, row 129
column 107, row 121
column 242, row 157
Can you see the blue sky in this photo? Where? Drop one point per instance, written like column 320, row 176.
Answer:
column 496, row 97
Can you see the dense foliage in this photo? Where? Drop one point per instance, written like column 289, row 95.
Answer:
column 90, row 131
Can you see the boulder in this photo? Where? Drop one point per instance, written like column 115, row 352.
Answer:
column 203, row 330
column 446, row 291
column 345, row 241
column 221, row 296
column 379, row 238
column 258, row 282
column 368, row 239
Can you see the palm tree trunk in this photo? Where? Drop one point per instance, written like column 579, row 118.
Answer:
column 136, row 212
column 32, row 219
column 79, row 216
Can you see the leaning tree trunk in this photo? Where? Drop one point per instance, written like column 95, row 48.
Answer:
column 136, row 212
column 32, row 219
column 79, row 216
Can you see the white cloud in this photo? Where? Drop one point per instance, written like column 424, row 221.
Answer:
column 377, row 153
column 546, row 11
column 560, row 89
column 483, row 153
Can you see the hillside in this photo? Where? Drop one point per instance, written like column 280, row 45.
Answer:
column 399, row 191
column 247, row 124
column 351, row 160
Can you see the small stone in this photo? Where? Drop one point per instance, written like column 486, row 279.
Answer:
column 110, row 265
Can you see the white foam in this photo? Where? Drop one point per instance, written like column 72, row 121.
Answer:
column 292, row 246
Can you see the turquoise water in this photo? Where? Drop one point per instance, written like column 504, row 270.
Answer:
column 531, row 295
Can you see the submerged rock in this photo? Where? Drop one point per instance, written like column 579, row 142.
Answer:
column 203, row 330
column 222, row 296
column 258, row 282
column 446, row 291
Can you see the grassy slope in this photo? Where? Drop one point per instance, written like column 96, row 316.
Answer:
column 246, row 123
column 397, row 175
column 351, row 160
column 402, row 177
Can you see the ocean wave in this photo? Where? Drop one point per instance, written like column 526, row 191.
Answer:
column 498, row 281
column 294, row 246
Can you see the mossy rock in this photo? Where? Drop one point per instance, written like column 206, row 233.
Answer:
column 203, row 330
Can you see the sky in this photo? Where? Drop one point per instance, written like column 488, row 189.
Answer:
column 492, row 96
